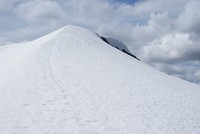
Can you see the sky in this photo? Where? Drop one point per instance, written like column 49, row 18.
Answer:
column 162, row 33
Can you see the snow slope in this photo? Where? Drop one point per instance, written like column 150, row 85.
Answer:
column 72, row 82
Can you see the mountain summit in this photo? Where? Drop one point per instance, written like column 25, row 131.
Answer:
column 72, row 82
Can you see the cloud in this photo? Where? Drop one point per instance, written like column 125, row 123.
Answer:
column 173, row 47
column 157, row 25
column 39, row 17
column 185, row 70
column 6, row 4
column 40, row 11
column 189, row 19
column 171, row 69
column 173, row 7
column 87, row 12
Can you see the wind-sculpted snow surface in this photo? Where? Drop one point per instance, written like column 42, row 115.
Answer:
column 72, row 82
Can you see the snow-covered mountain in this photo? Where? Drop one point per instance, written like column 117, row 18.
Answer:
column 119, row 45
column 72, row 82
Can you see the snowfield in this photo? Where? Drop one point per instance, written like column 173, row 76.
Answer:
column 72, row 82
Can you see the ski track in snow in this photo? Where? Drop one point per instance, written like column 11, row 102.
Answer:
column 71, row 82
column 50, row 66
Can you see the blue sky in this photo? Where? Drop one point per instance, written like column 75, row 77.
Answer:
column 163, row 33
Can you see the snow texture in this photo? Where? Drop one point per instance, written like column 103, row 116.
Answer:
column 72, row 82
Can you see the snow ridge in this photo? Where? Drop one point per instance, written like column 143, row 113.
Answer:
column 71, row 81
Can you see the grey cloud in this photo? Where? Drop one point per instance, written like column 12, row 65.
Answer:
column 39, row 11
column 173, row 47
column 6, row 4
column 186, row 70
column 171, row 69
column 173, row 7
column 189, row 19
